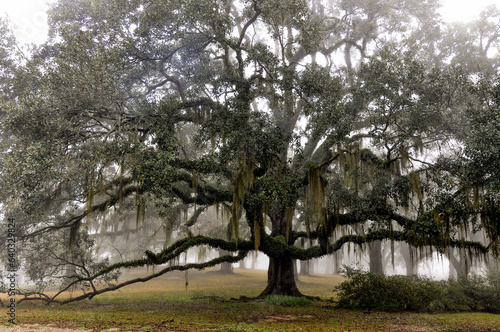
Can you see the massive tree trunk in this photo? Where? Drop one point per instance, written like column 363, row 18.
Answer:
column 280, row 278
column 281, row 271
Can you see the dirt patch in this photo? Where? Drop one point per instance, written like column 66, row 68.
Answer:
column 284, row 318
column 407, row 328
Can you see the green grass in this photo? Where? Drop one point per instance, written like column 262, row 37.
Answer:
column 209, row 305
column 286, row 300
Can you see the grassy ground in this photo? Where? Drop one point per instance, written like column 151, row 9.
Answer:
column 165, row 305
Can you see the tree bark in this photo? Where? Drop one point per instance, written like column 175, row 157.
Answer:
column 281, row 271
column 280, row 278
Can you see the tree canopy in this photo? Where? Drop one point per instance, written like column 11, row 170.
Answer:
column 341, row 122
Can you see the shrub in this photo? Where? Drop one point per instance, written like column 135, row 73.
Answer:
column 369, row 291
column 481, row 292
column 286, row 300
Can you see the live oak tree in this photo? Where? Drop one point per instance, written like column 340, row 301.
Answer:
column 256, row 108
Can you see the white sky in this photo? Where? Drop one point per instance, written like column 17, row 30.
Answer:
column 30, row 19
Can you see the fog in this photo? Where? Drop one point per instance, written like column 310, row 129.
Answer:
column 30, row 19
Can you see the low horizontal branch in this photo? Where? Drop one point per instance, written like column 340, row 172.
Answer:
column 198, row 266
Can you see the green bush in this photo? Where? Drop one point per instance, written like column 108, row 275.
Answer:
column 451, row 298
column 370, row 291
column 482, row 293
column 286, row 300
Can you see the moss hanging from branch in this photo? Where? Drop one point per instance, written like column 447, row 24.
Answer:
column 478, row 197
column 238, row 197
column 350, row 164
column 73, row 232
column 243, row 180
column 317, row 187
column 490, row 220
column 140, row 208
column 415, row 181
column 256, row 232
